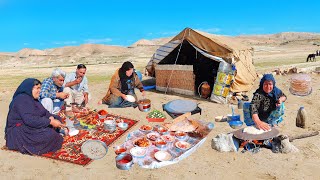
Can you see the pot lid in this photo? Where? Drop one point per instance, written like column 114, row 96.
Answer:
column 180, row 106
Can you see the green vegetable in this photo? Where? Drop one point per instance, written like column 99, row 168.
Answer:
column 156, row 114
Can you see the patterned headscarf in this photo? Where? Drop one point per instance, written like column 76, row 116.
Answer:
column 275, row 93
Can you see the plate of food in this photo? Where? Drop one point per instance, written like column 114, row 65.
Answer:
column 167, row 138
column 163, row 156
column 153, row 136
column 94, row 149
column 138, row 152
column 183, row 145
column 146, row 128
column 131, row 98
column 142, row 142
column 102, row 114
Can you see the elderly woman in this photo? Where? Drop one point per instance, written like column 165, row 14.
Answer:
column 267, row 105
column 122, row 83
column 29, row 127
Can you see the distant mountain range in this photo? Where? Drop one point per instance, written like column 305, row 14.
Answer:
column 145, row 48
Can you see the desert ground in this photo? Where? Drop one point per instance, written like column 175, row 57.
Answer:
column 205, row 162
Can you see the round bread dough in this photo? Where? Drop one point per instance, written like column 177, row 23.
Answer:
column 254, row 130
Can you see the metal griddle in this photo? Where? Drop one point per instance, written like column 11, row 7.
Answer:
column 249, row 137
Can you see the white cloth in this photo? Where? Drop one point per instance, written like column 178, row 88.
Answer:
column 49, row 105
column 74, row 97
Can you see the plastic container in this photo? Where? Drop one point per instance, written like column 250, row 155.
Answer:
column 138, row 74
column 235, row 117
column 301, row 117
column 155, row 119
column 223, row 82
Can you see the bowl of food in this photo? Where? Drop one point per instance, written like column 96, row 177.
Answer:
column 138, row 152
column 123, row 126
column 163, row 156
column 160, row 143
column 235, row 124
column 180, row 135
column 124, row 161
column 109, row 126
column 119, row 149
column 168, row 138
column 102, row 114
column 142, row 142
column 183, row 145
column 162, row 130
column 144, row 105
column 153, row 136
column 146, row 128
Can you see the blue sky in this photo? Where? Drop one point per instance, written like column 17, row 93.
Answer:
column 46, row 24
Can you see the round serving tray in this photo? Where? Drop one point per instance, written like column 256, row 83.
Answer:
column 180, row 106
column 94, row 149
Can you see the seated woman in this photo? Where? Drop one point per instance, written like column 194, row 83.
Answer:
column 267, row 105
column 122, row 83
column 29, row 127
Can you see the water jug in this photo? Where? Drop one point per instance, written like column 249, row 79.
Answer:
column 301, row 118
column 205, row 90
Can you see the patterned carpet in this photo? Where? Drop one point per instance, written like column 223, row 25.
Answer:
column 71, row 147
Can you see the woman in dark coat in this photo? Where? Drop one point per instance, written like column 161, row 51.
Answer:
column 29, row 127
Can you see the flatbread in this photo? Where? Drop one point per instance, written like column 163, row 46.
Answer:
column 254, row 130
column 185, row 125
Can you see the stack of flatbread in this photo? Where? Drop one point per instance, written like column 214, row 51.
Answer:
column 182, row 123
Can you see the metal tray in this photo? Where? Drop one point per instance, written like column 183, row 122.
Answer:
column 245, row 136
column 180, row 106
column 85, row 147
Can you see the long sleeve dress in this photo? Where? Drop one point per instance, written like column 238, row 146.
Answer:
column 28, row 127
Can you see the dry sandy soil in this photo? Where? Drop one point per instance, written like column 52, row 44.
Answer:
column 205, row 163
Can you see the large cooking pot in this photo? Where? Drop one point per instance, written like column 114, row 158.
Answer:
column 144, row 105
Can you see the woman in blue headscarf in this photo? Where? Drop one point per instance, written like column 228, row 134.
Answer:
column 267, row 105
column 29, row 127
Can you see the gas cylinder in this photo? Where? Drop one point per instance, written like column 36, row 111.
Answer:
column 205, row 90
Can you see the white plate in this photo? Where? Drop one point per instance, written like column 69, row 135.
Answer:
column 131, row 98
column 183, row 145
column 94, row 149
column 138, row 152
column 163, row 156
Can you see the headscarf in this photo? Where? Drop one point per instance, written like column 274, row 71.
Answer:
column 123, row 77
column 275, row 93
column 25, row 88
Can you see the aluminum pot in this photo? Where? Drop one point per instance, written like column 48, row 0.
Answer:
column 144, row 105
column 124, row 161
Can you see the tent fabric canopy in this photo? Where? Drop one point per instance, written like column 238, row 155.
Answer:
column 216, row 45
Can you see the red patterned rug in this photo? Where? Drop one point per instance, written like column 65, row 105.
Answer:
column 71, row 147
